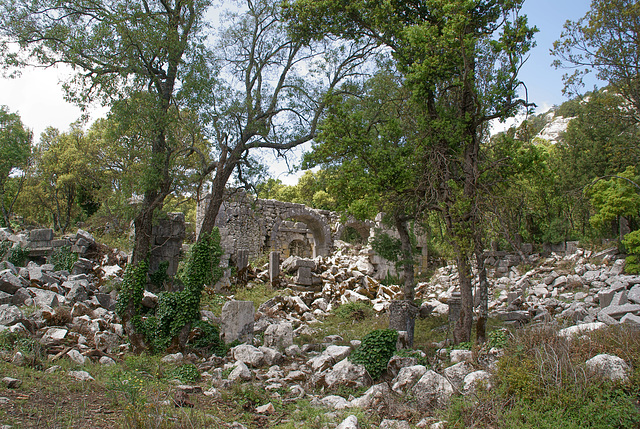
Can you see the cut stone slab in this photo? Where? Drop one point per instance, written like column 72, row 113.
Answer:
column 9, row 282
column 572, row 331
column 237, row 321
column 617, row 311
column 10, row 314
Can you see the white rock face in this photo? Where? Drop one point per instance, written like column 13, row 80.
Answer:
column 373, row 398
column 456, row 373
column 476, row 379
column 572, row 331
column 407, row 377
column 81, row 375
column 457, row 356
column 248, row 354
column 432, row 391
column 554, row 129
column 609, row 366
column 76, row 357
column 240, row 372
column 346, row 373
column 279, row 336
column 336, row 402
column 350, row 422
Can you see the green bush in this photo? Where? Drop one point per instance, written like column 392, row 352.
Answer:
column 376, row 349
column 632, row 244
column 354, row 310
column 63, row 258
column 18, row 256
column 187, row 373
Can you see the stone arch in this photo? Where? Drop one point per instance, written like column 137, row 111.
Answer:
column 315, row 222
column 362, row 227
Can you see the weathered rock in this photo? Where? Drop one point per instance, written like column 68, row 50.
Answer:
column 609, row 366
column 375, row 398
column 11, row 383
column 76, row 357
column 46, row 298
column 617, row 311
column 407, row 377
column 240, row 372
column 81, row 375
column 173, row 358
column 631, row 319
column 335, row 402
column 394, row 424
column 10, row 314
column 575, row 330
column 248, row 354
column 350, row 422
column 457, row 356
column 279, row 336
column 456, row 373
column 348, row 374
column 271, row 356
column 432, row 391
column 9, row 282
column 107, row 341
column 476, row 380
column 237, row 321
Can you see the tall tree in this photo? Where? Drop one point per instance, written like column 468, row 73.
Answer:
column 606, row 41
column 270, row 91
column 15, row 149
column 118, row 48
column 367, row 147
column 460, row 60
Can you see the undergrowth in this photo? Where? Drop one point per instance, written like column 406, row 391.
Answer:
column 542, row 382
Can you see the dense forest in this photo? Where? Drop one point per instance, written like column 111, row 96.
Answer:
column 394, row 100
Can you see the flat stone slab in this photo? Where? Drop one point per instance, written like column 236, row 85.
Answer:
column 617, row 311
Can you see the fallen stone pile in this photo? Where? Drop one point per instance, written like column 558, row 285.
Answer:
column 72, row 315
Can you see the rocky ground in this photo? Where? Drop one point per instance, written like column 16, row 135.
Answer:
column 71, row 314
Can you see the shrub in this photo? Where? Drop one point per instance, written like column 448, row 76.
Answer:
column 63, row 258
column 187, row 373
column 376, row 349
column 354, row 310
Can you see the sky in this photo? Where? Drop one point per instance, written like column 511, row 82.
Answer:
column 38, row 98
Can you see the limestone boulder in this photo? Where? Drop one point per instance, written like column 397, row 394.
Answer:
column 345, row 373
column 610, row 367
column 279, row 336
column 249, row 355
column 456, row 373
column 476, row 380
column 350, row 422
column 407, row 377
column 432, row 391
column 375, row 398
column 10, row 314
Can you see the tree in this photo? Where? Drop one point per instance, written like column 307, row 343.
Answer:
column 460, row 60
column 606, row 41
column 64, row 176
column 367, row 149
column 149, row 49
column 15, row 150
column 119, row 48
column 270, row 92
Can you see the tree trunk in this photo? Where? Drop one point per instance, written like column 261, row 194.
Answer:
column 483, row 289
column 407, row 258
column 462, row 328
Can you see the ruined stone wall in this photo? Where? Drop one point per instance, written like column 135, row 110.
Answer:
column 259, row 226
